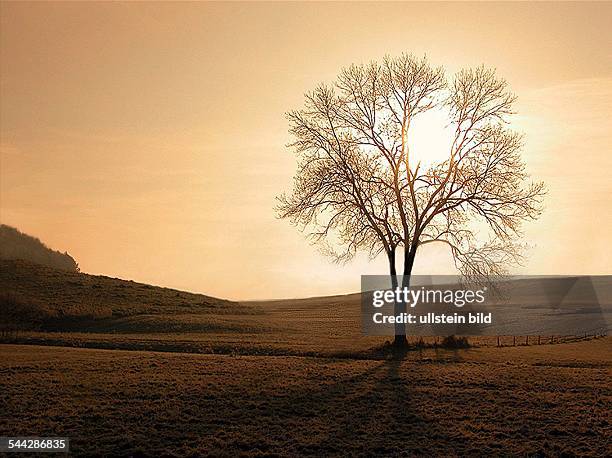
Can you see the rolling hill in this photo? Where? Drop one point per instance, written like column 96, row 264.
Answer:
column 74, row 300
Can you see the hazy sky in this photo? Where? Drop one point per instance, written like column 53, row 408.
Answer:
column 148, row 139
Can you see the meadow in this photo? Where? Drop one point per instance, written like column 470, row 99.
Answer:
column 163, row 372
column 551, row 400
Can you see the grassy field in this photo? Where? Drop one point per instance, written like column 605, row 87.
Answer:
column 162, row 372
column 110, row 313
column 545, row 401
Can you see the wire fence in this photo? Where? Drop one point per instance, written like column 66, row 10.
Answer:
column 516, row 340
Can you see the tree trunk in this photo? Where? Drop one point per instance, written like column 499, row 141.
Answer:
column 400, row 340
column 399, row 306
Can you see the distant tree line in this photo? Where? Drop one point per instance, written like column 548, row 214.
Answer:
column 17, row 245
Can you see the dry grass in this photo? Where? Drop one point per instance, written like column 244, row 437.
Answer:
column 310, row 383
column 82, row 300
column 547, row 401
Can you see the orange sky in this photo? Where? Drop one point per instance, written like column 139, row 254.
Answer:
column 148, row 139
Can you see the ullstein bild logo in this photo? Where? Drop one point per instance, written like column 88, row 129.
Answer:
column 444, row 305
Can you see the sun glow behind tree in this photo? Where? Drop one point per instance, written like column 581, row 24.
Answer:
column 430, row 138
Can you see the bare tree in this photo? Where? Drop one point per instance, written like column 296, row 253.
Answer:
column 359, row 187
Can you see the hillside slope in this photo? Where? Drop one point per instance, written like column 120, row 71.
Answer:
column 78, row 295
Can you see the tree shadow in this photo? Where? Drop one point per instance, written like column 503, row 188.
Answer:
column 383, row 418
column 371, row 413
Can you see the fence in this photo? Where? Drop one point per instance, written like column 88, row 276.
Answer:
column 516, row 340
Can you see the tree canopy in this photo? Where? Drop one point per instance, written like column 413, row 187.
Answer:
column 359, row 186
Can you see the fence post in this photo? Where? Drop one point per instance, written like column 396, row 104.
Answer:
column 514, row 341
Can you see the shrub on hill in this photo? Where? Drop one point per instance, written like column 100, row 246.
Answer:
column 17, row 245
